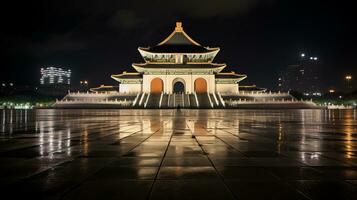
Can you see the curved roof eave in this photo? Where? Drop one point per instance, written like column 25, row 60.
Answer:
column 209, row 50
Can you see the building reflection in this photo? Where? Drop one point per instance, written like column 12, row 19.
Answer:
column 69, row 133
column 348, row 130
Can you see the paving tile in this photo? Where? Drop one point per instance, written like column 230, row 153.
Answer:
column 317, row 189
column 126, row 173
column 111, row 189
column 245, row 173
column 137, row 161
column 190, row 190
column 186, row 161
column 187, row 173
column 297, row 173
column 264, row 190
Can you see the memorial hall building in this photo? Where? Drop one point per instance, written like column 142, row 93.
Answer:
column 179, row 64
column 179, row 72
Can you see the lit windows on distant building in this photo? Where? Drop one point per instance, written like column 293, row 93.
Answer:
column 53, row 75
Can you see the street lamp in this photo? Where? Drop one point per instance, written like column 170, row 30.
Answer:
column 348, row 79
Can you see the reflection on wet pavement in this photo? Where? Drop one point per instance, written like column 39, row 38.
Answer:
column 187, row 154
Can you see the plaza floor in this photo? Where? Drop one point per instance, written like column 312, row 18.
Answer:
column 170, row 154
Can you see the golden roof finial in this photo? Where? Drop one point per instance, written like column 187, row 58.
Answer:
column 178, row 26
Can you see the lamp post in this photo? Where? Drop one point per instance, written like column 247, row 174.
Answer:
column 84, row 85
column 348, row 79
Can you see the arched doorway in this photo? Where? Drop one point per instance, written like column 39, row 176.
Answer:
column 178, row 85
column 157, row 85
column 200, row 85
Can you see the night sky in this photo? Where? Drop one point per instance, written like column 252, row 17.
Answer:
column 99, row 38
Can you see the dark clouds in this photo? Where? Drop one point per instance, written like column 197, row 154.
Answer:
column 97, row 38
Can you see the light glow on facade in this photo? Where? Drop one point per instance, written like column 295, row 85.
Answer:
column 53, row 75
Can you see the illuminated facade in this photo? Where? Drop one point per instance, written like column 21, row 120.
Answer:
column 303, row 77
column 179, row 72
column 178, row 64
column 54, row 81
column 53, row 75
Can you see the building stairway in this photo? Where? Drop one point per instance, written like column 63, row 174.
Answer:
column 193, row 100
column 204, row 100
column 153, row 101
column 140, row 100
column 164, row 101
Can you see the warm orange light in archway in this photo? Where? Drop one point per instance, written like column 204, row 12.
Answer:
column 200, row 85
column 157, row 85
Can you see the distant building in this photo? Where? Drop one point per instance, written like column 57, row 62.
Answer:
column 53, row 75
column 54, row 81
column 303, row 77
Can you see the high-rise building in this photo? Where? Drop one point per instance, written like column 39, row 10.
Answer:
column 303, row 77
column 54, row 81
column 53, row 75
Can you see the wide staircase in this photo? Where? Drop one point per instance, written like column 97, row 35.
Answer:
column 153, row 101
column 204, row 100
column 175, row 100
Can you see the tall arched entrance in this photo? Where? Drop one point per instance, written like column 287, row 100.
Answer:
column 200, row 85
column 178, row 85
column 156, row 85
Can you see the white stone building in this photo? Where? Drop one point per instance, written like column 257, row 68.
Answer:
column 179, row 72
column 178, row 64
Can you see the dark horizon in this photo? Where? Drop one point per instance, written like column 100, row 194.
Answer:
column 257, row 38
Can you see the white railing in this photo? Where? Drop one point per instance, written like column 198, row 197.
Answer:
column 188, row 98
column 210, row 101
column 94, row 101
column 183, row 100
column 161, row 96
column 279, row 101
column 198, row 105
column 141, row 99
column 260, row 94
column 332, row 106
column 136, row 99
column 174, row 99
column 215, row 98
column 221, row 99
column 147, row 100
column 84, row 94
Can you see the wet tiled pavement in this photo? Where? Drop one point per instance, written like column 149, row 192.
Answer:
column 187, row 154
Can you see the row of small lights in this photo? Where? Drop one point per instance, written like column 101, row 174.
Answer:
column 311, row 58
column 18, row 106
column 4, row 84
column 11, row 84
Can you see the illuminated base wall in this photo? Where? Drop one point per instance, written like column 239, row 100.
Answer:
column 187, row 80
column 227, row 88
column 130, row 88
